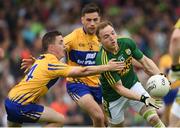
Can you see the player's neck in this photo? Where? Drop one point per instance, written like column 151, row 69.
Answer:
column 55, row 54
column 86, row 32
column 114, row 51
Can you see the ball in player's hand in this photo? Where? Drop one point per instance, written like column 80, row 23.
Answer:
column 158, row 86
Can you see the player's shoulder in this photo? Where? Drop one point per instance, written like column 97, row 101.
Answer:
column 124, row 39
column 53, row 62
column 74, row 34
column 48, row 58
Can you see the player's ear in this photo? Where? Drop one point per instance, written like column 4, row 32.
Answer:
column 82, row 20
column 99, row 39
column 50, row 47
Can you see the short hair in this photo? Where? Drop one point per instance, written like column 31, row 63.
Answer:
column 90, row 8
column 49, row 38
column 102, row 25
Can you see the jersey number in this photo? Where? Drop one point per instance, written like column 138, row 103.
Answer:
column 29, row 75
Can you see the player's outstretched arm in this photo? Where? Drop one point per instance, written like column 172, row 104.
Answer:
column 93, row 70
column 149, row 66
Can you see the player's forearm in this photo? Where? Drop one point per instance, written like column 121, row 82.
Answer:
column 175, row 46
column 149, row 66
column 93, row 70
column 127, row 93
column 88, row 70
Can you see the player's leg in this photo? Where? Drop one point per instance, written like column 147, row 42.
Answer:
column 13, row 124
column 13, row 115
column 82, row 95
column 106, row 122
column 175, row 112
column 148, row 113
column 174, row 121
column 31, row 113
column 117, row 125
column 151, row 116
column 168, row 101
column 115, row 111
column 53, row 118
column 88, row 104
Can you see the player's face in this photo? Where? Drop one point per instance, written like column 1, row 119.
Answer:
column 90, row 21
column 108, row 38
column 59, row 47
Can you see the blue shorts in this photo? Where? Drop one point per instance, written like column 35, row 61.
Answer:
column 170, row 97
column 77, row 90
column 23, row 113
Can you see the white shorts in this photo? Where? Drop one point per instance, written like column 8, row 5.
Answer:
column 116, row 108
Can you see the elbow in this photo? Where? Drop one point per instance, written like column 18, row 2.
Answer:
column 118, row 87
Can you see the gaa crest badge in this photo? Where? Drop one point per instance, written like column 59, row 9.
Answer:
column 128, row 51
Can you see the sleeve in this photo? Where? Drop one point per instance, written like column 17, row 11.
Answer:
column 68, row 41
column 177, row 25
column 59, row 69
column 136, row 52
column 98, row 62
column 111, row 77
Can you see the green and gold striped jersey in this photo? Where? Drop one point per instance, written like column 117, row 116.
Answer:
column 128, row 50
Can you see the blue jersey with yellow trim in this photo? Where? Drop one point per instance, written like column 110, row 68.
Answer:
column 43, row 74
column 82, row 50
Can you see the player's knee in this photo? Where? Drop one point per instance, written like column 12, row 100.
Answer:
column 60, row 120
column 154, row 119
column 98, row 117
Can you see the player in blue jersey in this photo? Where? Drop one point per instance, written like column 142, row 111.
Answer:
column 21, row 103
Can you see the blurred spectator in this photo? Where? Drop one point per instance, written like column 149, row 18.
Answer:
column 1, row 53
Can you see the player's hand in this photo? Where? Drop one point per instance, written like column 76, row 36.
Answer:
column 116, row 65
column 166, row 77
column 149, row 101
column 27, row 63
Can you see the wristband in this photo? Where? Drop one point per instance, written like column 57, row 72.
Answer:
column 175, row 68
column 143, row 98
column 162, row 74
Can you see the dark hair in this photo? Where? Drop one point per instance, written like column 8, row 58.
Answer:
column 90, row 8
column 102, row 25
column 49, row 38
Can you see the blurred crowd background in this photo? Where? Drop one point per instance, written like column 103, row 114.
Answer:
column 23, row 23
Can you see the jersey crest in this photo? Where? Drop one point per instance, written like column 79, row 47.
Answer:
column 121, row 58
column 128, row 51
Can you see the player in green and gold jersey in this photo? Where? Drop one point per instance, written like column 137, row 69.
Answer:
column 123, row 88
